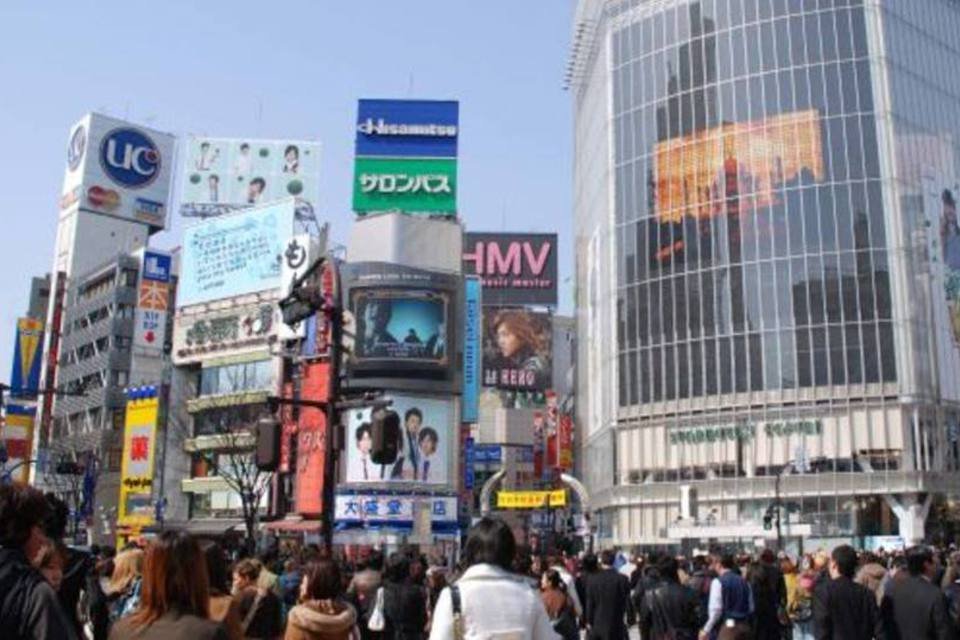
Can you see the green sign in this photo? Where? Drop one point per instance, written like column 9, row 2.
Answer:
column 795, row 427
column 410, row 185
column 713, row 434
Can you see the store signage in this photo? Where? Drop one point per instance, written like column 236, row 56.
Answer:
column 796, row 427
column 130, row 157
column 396, row 509
column 407, row 128
column 136, row 506
column 516, row 268
column 243, row 328
column 531, row 499
column 156, row 266
column 381, row 127
column 746, row 431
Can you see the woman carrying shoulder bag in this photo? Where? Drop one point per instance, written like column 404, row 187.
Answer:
column 559, row 605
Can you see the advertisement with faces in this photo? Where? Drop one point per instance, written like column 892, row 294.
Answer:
column 426, row 431
column 118, row 169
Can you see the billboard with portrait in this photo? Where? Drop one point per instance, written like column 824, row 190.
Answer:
column 426, row 443
column 235, row 254
column 239, row 172
column 516, row 268
column 517, row 350
column 118, row 169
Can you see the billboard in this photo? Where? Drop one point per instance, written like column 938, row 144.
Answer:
column 238, row 172
column 301, row 251
column 136, row 472
column 393, row 510
column 27, row 358
column 118, row 169
column 407, row 128
column 311, row 439
column 427, row 444
column 472, row 348
column 235, row 254
column 240, row 329
column 516, row 268
column 409, row 185
column 153, row 301
column 17, row 436
column 517, row 349
column 406, row 325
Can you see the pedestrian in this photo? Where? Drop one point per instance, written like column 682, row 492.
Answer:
column 289, row 583
column 915, row 608
column 556, row 563
column 29, row 607
column 800, row 602
column 123, row 588
column 669, row 609
column 559, row 605
column 322, row 614
column 436, row 583
column 609, row 610
column 730, row 604
column 842, row 608
column 95, row 601
column 174, row 599
column 871, row 574
column 951, row 588
column 49, row 562
column 259, row 605
column 404, row 601
column 699, row 581
column 769, row 597
column 362, row 591
column 489, row 600
column 223, row 607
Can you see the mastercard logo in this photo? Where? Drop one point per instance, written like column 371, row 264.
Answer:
column 103, row 198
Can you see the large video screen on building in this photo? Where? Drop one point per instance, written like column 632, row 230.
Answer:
column 408, row 325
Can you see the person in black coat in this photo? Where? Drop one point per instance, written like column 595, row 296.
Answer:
column 915, row 608
column 669, row 607
column 404, row 602
column 608, row 602
column 843, row 609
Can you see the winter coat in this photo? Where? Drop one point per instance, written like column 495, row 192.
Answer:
column 29, row 607
column 171, row 626
column 321, row 620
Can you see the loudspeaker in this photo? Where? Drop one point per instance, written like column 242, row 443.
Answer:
column 385, row 433
column 268, row 445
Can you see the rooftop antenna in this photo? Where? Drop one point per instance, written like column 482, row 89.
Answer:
column 410, row 85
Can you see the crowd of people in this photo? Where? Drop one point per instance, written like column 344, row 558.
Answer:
column 176, row 586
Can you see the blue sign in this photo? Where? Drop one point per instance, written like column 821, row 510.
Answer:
column 236, row 254
column 472, row 345
column 483, row 453
column 130, row 157
column 408, row 128
column 156, row 266
column 469, row 475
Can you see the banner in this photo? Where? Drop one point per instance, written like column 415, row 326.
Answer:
column 531, row 499
column 17, row 436
column 472, row 349
column 516, row 268
column 27, row 358
column 517, row 349
column 312, row 436
column 139, row 443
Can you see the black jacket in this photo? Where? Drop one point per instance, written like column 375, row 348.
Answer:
column 915, row 609
column 845, row 610
column 608, row 603
column 29, row 608
column 404, row 611
column 260, row 615
column 769, row 596
column 670, row 606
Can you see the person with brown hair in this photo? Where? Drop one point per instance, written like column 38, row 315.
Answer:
column 49, row 562
column 520, row 346
column 321, row 614
column 259, row 606
column 224, row 608
column 29, row 607
column 174, row 599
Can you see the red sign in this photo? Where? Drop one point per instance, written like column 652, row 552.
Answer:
column 139, row 448
column 312, row 440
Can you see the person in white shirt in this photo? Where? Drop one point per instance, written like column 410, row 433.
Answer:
column 243, row 165
column 427, row 441
column 495, row 604
column 363, row 467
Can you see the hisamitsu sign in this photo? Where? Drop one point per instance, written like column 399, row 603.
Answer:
column 408, row 128
column 516, row 268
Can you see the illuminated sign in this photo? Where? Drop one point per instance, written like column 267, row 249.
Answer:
column 407, row 128
column 516, row 268
column 414, row 185
column 531, row 499
column 139, row 440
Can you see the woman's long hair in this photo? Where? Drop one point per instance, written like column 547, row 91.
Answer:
column 522, row 325
column 174, row 579
column 127, row 566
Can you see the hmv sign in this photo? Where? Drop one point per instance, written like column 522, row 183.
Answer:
column 516, row 268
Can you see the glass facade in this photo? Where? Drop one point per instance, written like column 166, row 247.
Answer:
column 751, row 248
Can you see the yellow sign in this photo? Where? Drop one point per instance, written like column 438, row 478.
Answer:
column 531, row 499
column 136, row 485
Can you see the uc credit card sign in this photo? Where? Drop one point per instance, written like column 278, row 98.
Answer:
column 408, row 128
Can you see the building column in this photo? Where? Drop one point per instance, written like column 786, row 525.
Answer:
column 911, row 510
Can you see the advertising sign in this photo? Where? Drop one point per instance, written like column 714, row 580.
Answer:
column 408, row 128
column 139, row 440
column 472, row 349
column 357, row 508
column 300, row 252
column 25, row 377
column 118, row 169
column 235, row 254
column 17, row 436
column 516, row 268
column 426, row 434
column 401, row 325
column 240, row 329
column 238, row 172
column 409, row 185
column 311, row 440
column 531, row 499
column 517, row 349
column 150, row 318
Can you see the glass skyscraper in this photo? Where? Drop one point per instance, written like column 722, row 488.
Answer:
column 768, row 264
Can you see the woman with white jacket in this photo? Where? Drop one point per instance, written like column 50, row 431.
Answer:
column 495, row 604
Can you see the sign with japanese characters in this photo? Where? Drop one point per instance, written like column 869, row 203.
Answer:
column 231, row 331
column 410, row 185
column 531, row 499
column 354, row 508
column 139, row 439
column 150, row 319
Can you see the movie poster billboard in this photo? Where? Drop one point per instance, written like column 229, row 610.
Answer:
column 516, row 268
column 235, row 254
column 27, row 348
column 426, row 445
column 240, row 172
column 139, row 443
column 517, row 349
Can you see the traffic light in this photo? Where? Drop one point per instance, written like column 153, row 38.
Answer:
column 768, row 518
column 385, row 433
column 303, row 302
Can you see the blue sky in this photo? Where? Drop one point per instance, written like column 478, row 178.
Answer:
column 292, row 69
